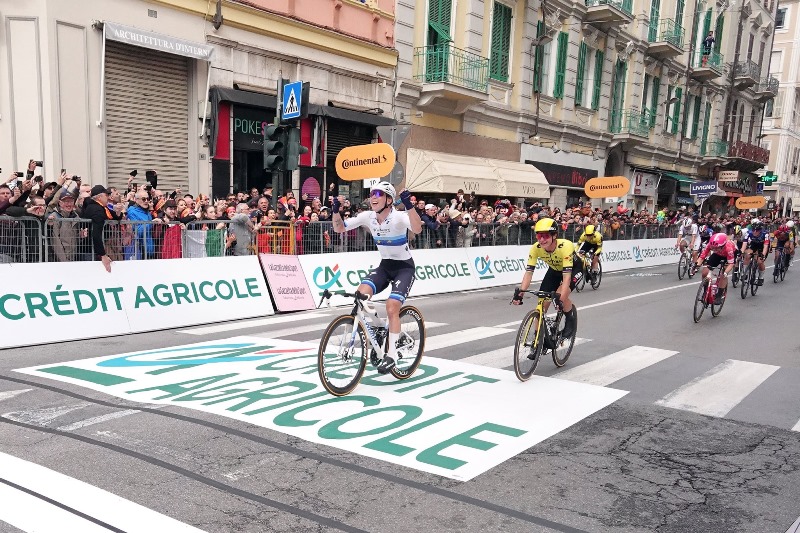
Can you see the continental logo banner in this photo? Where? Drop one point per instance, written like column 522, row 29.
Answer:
column 609, row 186
column 365, row 161
column 751, row 202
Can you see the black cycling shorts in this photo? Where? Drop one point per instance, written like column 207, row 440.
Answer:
column 715, row 260
column 588, row 247
column 553, row 278
column 399, row 273
column 759, row 247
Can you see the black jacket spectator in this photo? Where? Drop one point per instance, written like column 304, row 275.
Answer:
column 99, row 215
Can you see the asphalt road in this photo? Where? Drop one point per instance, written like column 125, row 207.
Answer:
column 698, row 438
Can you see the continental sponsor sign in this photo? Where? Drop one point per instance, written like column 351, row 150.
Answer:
column 609, row 186
column 751, row 202
column 365, row 161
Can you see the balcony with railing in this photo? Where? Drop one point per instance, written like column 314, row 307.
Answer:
column 767, row 89
column 746, row 74
column 716, row 149
column 452, row 74
column 607, row 14
column 706, row 66
column 747, row 157
column 665, row 38
column 630, row 126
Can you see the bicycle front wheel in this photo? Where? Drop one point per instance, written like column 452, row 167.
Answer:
column 717, row 309
column 342, row 356
column 754, row 279
column 411, row 343
column 700, row 302
column 563, row 347
column 683, row 265
column 598, row 276
column 746, row 279
column 528, row 347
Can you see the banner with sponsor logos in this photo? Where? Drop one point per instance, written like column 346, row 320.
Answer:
column 287, row 283
column 502, row 265
column 52, row 302
column 451, row 419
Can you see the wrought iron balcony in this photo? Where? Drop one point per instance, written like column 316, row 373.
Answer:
column 767, row 89
column 746, row 73
column 706, row 66
column 609, row 13
column 715, row 149
column 665, row 38
column 630, row 125
column 444, row 63
column 747, row 157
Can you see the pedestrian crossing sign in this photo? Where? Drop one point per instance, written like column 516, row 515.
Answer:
column 292, row 100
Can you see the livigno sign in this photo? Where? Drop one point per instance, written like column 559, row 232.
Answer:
column 450, row 418
column 609, row 186
column 365, row 161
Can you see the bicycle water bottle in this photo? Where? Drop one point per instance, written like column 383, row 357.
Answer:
column 714, row 287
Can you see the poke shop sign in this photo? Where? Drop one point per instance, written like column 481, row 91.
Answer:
column 449, row 418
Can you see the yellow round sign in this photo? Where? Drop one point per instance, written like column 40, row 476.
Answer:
column 751, row 202
column 365, row 161
column 609, row 186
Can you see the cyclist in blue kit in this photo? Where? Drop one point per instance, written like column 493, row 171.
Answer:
column 389, row 229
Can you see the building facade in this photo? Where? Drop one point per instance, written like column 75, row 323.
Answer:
column 184, row 87
column 782, row 115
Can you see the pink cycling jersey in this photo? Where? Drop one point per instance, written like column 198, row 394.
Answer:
column 728, row 251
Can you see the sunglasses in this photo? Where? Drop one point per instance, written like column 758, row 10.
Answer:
column 376, row 194
column 543, row 235
column 146, row 200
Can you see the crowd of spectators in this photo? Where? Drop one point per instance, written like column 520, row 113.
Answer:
column 82, row 222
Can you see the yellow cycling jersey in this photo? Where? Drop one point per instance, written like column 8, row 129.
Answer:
column 595, row 238
column 560, row 259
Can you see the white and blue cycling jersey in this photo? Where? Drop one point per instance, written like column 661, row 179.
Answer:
column 391, row 236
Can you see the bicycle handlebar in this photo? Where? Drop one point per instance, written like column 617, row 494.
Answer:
column 553, row 295
column 326, row 295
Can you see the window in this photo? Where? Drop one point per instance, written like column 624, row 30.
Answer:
column 695, row 117
column 499, row 57
column 780, row 18
column 548, row 66
column 687, row 116
column 775, row 62
column 581, row 81
column 654, row 102
column 673, row 113
column 561, row 65
column 599, row 56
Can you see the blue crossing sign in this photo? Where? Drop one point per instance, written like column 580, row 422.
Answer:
column 292, row 100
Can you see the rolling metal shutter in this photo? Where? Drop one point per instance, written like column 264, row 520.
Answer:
column 147, row 107
column 343, row 134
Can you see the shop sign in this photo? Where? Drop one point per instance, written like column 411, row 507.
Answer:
column 561, row 175
column 157, row 41
column 644, row 184
column 704, row 188
column 607, row 186
column 751, row 202
column 248, row 127
column 366, row 161
column 684, row 200
column 728, row 175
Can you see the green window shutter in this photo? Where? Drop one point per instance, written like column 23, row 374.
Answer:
column 655, row 7
column 667, row 116
column 684, row 124
column 645, row 88
column 706, row 24
column 676, row 114
column 561, row 64
column 695, row 23
column 598, row 78
column 501, row 42
column 679, row 12
column 582, row 51
column 537, row 60
column 439, row 14
column 718, row 32
column 704, row 140
column 654, row 102
column 696, row 118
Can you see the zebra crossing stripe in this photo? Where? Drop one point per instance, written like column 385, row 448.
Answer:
column 610, row 368
column 446, row 340
column 502, row 357
column 720, row 389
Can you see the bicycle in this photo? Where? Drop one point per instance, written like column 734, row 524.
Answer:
column 533, row 340
column 738, row 269
column 594, row 279
column 707, row 293
column 750, row 277
column 781, row 266
column 345, row 344
column 686, row 265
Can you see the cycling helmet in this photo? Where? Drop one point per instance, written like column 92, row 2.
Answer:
column 385, row 187
column 695, row 218
column 784, row 228
column 790, row 224
column 546, row 225
column 755, row 221
column 589, row 229
column 756, row 224
column 718, row 240
column 737, row 230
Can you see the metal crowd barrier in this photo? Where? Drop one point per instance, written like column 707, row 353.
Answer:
column 30, row 240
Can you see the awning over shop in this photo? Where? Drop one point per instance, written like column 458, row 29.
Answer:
column 428, row 171
column 679, row 177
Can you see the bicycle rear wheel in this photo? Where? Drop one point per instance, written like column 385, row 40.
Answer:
column 683, row 265
column 598, row 276
column 700, row 302
column 528, row 347
column 411, row 343
column 746, row 279
column 563, row 347
column 582, row 281
column 342, row 359
column 717, row 309
column 784, row 268
column 754, row 279
column 736, row 273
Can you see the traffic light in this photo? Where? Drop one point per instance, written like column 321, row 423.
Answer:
column 294, row 149
column 769, row 177
column 275, row 148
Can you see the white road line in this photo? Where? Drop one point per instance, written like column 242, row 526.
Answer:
column 279, row 333
column 98, row 419
column 720, row 389
column 42, row 417
column 461, row 337
column 260, row 323
column 613, row 367
column 608, row 302
column 796, row 426
column 5, row 395
column 31, row 514
column 501, row 357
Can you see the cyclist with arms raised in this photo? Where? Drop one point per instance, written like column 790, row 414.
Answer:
column 719, row 249
column 389, row 229
column 558, row 255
